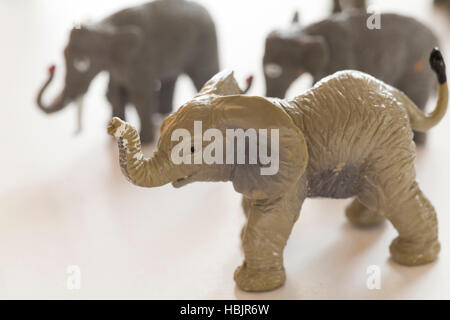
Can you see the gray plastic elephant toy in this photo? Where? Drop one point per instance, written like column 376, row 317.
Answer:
column 144, row 49
column 396, row 53
column 349, row 136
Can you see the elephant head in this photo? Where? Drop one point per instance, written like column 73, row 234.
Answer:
column 289, row 54
column 219, row 106
column 89, row 51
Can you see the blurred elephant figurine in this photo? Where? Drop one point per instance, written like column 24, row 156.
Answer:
column 348, row 136
column 344, row 41
column 144, row 49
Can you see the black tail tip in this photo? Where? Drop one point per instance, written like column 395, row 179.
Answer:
column 438, row 65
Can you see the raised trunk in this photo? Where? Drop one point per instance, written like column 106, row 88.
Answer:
column 141, row 171
column 60, row 101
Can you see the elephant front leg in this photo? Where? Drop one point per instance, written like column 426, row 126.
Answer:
column 268, row 228
column 166, row 96
column 145, row 104
column 117, row 97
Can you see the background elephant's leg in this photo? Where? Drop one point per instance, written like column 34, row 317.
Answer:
column 269, row 225
column 417, row 87
column 117, row 97
column 205, row 65
column 199, row 76
column 336, row 6
column 166, row 96
column 145, row 104
column 361, row 216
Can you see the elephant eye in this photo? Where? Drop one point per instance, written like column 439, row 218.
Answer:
column 192, row 149
column 273, row 70
column 82, row 64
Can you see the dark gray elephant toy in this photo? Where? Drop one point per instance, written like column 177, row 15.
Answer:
column 144, row 49
column 396, row 53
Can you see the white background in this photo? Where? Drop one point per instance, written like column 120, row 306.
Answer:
column 64, row 201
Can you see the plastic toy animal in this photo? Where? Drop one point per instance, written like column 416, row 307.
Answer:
column 343, row 41
column 348, row 136
column 144, row 49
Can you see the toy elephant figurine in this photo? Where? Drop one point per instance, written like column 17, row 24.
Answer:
column 348, row 136
column 144, row 49
column 343, row 41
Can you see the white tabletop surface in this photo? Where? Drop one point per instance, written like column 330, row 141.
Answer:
column 64, row 201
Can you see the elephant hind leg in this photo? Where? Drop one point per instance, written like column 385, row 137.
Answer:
column 416, row 223
column 204, row 66
column 361, row 216
column 413, row 217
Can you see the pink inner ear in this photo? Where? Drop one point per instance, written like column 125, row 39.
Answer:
column 51, row 69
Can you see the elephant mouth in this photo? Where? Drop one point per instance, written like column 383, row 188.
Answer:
column 182, row 181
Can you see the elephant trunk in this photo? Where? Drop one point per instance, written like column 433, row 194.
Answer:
column 141, row 171
column 59, row 102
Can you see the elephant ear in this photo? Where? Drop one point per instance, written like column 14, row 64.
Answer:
column 247, row 112
column 125, row 43
column 222, row 84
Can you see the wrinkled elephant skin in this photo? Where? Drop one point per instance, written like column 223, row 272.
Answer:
column 349, row 136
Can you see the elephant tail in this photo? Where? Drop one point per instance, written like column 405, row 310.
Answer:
column 419, row 120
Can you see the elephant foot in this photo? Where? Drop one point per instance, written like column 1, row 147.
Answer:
column 361, row 216
column 256, row 280
column 411, row 253
column 420, row 138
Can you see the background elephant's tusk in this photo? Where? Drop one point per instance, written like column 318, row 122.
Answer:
column 79, row 102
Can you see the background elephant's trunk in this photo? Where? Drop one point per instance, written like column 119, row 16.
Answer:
column 137, row 169
column 59, row 102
